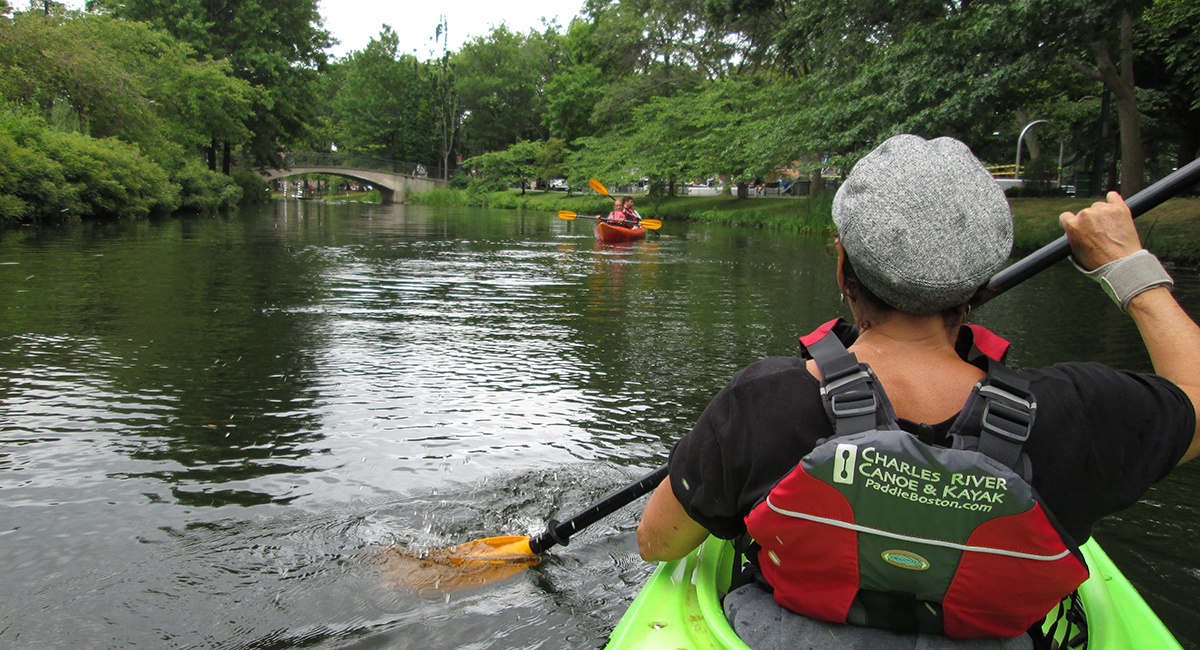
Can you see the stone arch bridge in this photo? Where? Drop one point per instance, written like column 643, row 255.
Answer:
column 394, row 179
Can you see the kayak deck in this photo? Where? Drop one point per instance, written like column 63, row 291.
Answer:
column 679, row 607
column 614, row 234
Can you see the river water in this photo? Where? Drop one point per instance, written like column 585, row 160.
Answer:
column 209, row 426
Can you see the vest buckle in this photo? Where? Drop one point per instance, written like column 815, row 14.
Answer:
column 853, row 402
column 1007, row 416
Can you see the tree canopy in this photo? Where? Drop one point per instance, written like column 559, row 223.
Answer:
column 118, row 94
column 662, row 90
column 684, row 89
column 277, row 46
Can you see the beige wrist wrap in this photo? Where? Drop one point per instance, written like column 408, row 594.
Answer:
column 1127, row 277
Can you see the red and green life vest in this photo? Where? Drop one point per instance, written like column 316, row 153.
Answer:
column 877, row 527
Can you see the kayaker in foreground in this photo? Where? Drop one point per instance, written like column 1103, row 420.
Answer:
column 840, row 467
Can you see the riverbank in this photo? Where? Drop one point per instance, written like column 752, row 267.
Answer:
column 333, row 196
column 1172, row 230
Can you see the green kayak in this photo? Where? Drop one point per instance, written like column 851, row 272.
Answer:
column 680, row 606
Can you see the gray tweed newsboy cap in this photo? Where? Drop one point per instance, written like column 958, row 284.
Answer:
column 923, row 223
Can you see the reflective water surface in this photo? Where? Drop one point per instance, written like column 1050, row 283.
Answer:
column 207, row 426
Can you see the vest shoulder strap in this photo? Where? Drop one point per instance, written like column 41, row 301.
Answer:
column 853, row 398
column 1007, row 413
column 855, row 402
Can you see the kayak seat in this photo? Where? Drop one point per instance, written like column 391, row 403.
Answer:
column 763, row 624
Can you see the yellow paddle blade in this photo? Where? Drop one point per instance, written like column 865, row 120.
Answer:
column 506, row 548
column 472, row 564
column 598, row 187
column 650, row 224
column 567, row 215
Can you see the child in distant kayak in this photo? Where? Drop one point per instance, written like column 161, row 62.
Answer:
column 617, row 216
column 623, row 213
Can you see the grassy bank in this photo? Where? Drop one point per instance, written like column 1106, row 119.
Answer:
column 760, row 212
column 1172, row 230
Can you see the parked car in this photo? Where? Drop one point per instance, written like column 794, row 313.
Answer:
column 558, row 185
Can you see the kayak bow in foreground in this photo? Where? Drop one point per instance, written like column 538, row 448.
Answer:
column 680, row 606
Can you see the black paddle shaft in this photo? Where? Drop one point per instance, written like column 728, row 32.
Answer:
column 1059, row 249
column 560, row 533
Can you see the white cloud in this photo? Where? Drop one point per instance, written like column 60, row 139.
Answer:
column 356, row 22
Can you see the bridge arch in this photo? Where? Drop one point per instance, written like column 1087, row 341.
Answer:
column 393, row 186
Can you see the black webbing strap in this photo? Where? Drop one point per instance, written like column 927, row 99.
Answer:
column 743, row 570
column 1077, row 633
column 1008, row 412
column 899, row 612
column 847, row 387
column 1075, row 629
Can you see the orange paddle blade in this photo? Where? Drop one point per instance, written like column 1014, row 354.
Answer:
column 598, row 187
column 495, row 550
column 650, row 224
column 472, row 564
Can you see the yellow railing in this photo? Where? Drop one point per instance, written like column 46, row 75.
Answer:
column 1003, row 171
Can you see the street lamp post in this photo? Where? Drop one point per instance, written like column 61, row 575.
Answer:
column 1061, row 148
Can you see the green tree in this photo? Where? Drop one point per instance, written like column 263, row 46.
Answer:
column 276, row 45
column 49, row 174
column 1097, row 39
column 755, row 24
column 551, row 159
column 646, row 49
column 1168, row 38
column 978, row 71
column 660, row 38
column 82, row 65
column 117, row 79
column 322, row 134
column 717, row 130
column 383, row 108
column 501, row 81
column 521, row 164
column 122, row 79
column 570, row 99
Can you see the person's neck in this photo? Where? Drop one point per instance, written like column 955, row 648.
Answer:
column 904, row 333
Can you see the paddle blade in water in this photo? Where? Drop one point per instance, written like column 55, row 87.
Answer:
column 598, row 187
column 496, row 550
column 475, row 563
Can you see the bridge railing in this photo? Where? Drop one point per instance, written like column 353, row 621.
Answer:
column 354, row 161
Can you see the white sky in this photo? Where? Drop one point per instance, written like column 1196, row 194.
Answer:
column 356, row 22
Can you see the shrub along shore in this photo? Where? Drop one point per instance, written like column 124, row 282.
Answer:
column 1171, row 231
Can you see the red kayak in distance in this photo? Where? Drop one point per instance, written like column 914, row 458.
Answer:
column 611, row 234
